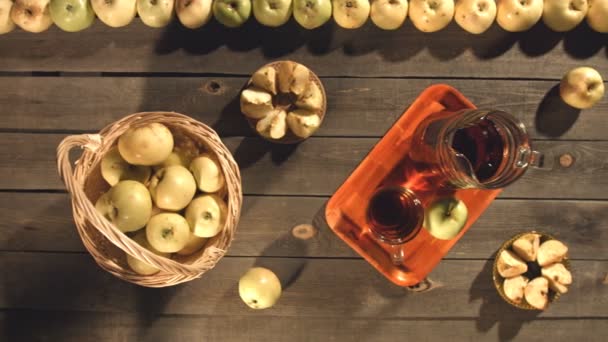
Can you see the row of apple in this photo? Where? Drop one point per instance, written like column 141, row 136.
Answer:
column 475, row 16
column 152, row 180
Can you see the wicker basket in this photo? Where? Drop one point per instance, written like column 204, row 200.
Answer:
column 498, row 280
column 103, row 240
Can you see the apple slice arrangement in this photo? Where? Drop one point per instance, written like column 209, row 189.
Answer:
column 532, row 270
column 153, row 196
column 284, row 102
column 474, row 16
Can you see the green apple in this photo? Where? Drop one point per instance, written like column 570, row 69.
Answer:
column 193, row 13
column 155, row 13
column 172, row 188
column 564, row 15
column 259, row 288
column 207, row 172
column 431, row 15
column 139, row 266
column 206, row 215
column 232, row 13
column 127, row 205
column 350, row 14
column 150, row 144
column 303, row 123
column 32, row 15
column 168, row 232
column 445, row 218
column 193, row 245
column 582, row 87
column 6, row 23
column 272, row 13
column 115, row 13
column 597, row 14
column 311, row 14
column 72, row 15
column 115, row 169
column 388, row 14
column 475, row 16
column 518, row 15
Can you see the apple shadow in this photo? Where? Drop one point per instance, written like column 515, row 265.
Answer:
column 494, row 310
column 583, row 42
column 553, row 116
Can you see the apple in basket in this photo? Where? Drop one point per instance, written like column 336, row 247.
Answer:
column 431, row 15
column 193, row 13
column 311, row 14
column 564, row 15
column 581, row 87
column 155, row 13
column 207, row 173
column 32, row 15
column 232, row 13
column 206, row 215
column 518, row 15
column 150, row 144
column 139, row 266
column 475, row 16
column 259, row 288
column 168, row 232
column 272, row 13
column 193, row 245
column 115, row 13
column 115, row 169
column 388, row 14
column 72, row 15
column 172, row 188
column 127, row 205
column 351, row 14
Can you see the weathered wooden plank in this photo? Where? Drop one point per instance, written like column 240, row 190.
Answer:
column 331, row 51
column 43, row 222
column 317, row 166
column 357, row 107
column 85, row 326
column 314, row 288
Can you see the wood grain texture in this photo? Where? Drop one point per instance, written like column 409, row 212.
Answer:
column 88, row 326
column 43, row 222
column 330, row 50
column 318, row 166
column 312, row 288
column 357, row 107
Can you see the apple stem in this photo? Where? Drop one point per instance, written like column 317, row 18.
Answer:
column 450, row 208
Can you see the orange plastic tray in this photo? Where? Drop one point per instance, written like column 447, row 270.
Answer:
column 388, row 163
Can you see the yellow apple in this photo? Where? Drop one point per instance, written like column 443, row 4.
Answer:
column 115, row 13
column 518, row 15
column 115, row 169
column 350, row 14
column 141, row 267
column 431, row 15
column 475, row 16
column 597, row 14
column 150, row 144
column 388, row 14
column 564, row 15
column 155, row 13
column 259, row 288
column 207, row 173
column 193, row 245
column 206, row 215
column 6, row 23
column 172, row 188
column 127, row 205
column 582, row 87
column 32, row 15
column 194, row 13
column 168, row 232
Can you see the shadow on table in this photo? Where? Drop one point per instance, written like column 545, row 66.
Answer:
column 554, row 117
column 494, row 310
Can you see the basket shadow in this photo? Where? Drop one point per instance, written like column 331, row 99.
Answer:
column 494, row 310
column 149, row 304
column 553, row 116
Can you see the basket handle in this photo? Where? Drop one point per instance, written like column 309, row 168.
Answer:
column 82, row 202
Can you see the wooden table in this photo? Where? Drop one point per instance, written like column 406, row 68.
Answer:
column 55, row 84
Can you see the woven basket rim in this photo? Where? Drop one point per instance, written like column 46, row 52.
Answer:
column 86, row 217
